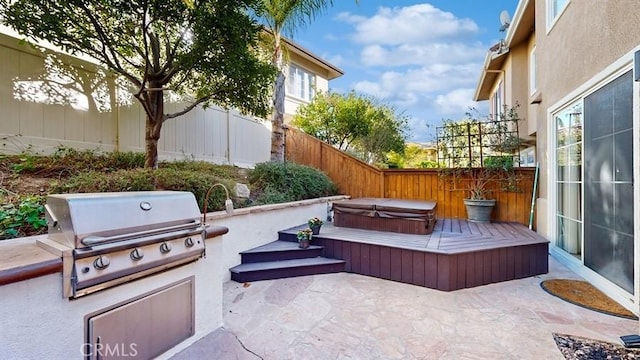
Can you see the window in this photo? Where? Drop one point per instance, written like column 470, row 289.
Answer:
column 568, row 124
column 533, row 86
column 497, row 103
column 554, row 9
column 300, row 83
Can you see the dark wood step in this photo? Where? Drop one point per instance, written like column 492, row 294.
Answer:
column 279, row 250
column 285, row 268
column 290, row 234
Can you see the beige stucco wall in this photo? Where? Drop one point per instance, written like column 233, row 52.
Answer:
column 589, row 36
column 532, row 105
column 519, row 89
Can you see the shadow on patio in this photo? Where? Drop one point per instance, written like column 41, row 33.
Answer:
column 353, row 316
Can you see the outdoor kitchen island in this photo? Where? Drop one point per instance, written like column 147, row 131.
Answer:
column 38, row 322
column 78, row 294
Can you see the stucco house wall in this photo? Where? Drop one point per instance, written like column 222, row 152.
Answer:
column 589, row 44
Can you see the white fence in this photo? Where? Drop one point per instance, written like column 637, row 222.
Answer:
column 51, row 101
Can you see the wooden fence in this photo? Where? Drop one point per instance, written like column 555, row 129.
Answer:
column 358, row 179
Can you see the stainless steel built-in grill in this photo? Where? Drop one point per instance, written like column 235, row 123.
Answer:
column 116, row 237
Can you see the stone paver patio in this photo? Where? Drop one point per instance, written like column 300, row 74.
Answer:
column 347, row 316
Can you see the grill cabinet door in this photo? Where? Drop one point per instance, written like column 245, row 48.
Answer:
column 144, row 328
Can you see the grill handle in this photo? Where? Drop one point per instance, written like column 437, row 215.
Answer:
column 98, row 240
column 54, row 219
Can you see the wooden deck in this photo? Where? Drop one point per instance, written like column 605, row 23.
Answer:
column 457, row 255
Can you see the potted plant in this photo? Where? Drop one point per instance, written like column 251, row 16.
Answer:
column 478, row 206
column 479, row 157
column 304, row 238
column 314, row 224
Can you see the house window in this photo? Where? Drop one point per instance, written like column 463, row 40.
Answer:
column 554, row 9
column 497, row 102
column 300, row 83
column 533, row 86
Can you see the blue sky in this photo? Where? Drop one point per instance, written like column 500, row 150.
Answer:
column 424, row 58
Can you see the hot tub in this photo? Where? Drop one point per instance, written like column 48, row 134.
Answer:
column 386, row 214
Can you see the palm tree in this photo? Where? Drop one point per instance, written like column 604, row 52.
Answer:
column 284, row 17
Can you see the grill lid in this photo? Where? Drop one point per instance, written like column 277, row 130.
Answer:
column 77, row 220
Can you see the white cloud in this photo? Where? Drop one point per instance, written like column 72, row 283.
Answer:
column 371, row 88
column 456, row 101
column 424, row 80
column 420, row 59
column 426, row 54
column 420, row 23
column 336, row 59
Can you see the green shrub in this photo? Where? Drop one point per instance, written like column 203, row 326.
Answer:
column 74, row 171
column 499, row 162
column 289, row 182
column 269, row 195
column 93, row 181
column 87, row 160
column 27, row 217
column 146, row 180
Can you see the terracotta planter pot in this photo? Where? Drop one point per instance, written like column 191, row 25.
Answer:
column 304, row 243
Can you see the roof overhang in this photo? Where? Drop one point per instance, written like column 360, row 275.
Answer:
column 523, row 23
column 519, row 31
column 332, row 70
column 492, row 67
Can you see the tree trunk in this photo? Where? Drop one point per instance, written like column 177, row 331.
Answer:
column 277, row 118
column 277, row 121
column 155, row 118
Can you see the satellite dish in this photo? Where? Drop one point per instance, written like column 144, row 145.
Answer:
column 505, row 20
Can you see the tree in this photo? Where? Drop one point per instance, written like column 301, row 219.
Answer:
column 354, row 123
column 415, row 156
column 387, row 132
column 204, row 50
column 284, row 17
column 334, row 118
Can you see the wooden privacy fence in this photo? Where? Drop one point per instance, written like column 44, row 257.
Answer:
column 358, row 179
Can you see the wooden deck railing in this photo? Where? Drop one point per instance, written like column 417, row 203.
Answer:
column 358, row 179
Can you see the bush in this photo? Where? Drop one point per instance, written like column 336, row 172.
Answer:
column 26, row 217
column 146, row 180
column 67, row 161
column 283, row 182
column 499, row 162
column 73, row 171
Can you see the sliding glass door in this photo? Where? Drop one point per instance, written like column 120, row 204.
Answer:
column 608, row 134
column 594, row 181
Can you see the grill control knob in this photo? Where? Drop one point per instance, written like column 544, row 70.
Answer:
column 165, row 247
column 136, row 254
column 188, row 242
column 102, row 262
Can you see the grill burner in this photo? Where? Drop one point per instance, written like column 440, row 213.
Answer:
column 110, row 238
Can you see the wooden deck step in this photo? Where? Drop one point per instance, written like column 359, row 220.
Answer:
column 286, row 268
column 279, row 250
column 290, row 234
